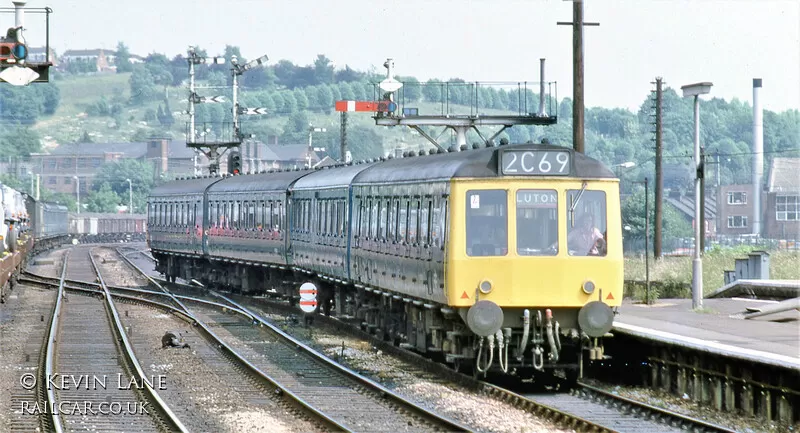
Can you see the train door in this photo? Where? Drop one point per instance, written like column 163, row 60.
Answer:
column 291, row 222
column 197, row 226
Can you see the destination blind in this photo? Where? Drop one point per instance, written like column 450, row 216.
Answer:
column 535, row 163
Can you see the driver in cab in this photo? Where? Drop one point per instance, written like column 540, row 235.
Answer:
column 585, row 239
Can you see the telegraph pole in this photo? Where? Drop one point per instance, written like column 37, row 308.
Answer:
column 577, row 73
column 659, row 171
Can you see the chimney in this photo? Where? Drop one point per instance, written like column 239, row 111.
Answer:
column 758, row 155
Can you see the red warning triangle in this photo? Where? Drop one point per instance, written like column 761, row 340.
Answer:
column 610, row 296
column 464, row 295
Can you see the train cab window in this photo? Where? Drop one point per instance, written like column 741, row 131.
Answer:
column 537, row 222
column 586, row 223
column 486, row 223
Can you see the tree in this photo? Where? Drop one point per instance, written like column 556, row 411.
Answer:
column 325, row 98
column 143, row 88
column 301, row 99
column 19, row 141
column 114, row 174
column 364, row 143
column 432, row 90
column 284, row 72
column 347, row 75
column 323, row 70
column 103, row 200
column 346, row 92
column 411, row 90
column 161, row 74
column 123, row 58
column 289, row 102
column 296, row 128
column 51, row 96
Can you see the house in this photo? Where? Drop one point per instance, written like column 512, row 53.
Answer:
column 782, row 210
column 38, row 55
column 780, row 204
column 258, row 156
column 103, row 60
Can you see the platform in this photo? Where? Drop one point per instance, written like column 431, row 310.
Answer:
column 672, row 321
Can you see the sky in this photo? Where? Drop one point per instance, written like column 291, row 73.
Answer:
column 684, row 41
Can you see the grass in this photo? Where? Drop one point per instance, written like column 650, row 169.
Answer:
column 69, row 122
column 784, row 265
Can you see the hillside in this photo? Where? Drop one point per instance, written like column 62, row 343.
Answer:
column 79, row 92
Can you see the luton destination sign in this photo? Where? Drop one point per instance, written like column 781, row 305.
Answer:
column 535, row 163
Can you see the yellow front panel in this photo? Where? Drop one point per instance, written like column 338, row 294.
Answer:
column 526, row 281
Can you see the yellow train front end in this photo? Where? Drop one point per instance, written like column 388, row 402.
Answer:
column 535, row 263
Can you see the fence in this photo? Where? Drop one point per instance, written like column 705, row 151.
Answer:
column 685, row 246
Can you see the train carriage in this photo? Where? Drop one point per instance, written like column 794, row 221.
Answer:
column 506, row 258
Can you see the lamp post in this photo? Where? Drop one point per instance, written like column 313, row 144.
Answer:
column 130, row 196
column 626, row 165
column 78, row 192
column 696, row 90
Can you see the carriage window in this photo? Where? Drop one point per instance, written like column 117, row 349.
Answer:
column 425, row 222
column 404, row 221
column 413, row 222
column 278, row 218
column 260, row 215
column 342, row 215
column 374, row 219
column 384, row 220
column 360, row 222
column 586, row 223
column 537, row 222
column 436, row 215
column 269, row 220
column 486, row 223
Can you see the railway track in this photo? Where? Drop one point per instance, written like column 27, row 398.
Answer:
column 332, row 399
column 585, row 409
column 88, row 368
column 351, row 401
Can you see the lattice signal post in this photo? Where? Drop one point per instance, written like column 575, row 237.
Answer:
column 15, row 67
column 226, row 134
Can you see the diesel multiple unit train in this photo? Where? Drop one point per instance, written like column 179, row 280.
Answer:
column 505, row 258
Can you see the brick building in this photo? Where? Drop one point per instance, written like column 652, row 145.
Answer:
column 780, row 204
column 59, row 169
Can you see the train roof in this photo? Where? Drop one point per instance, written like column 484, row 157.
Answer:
column 475, row 163
column 334, row 177
column 275, row 181
column 184, row 186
